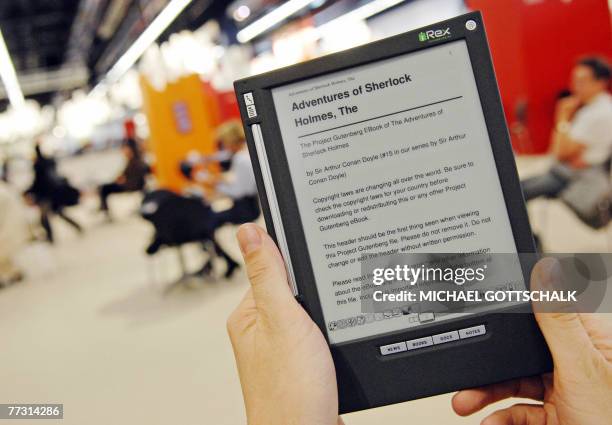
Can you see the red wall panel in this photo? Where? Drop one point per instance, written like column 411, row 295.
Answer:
column 534, row 45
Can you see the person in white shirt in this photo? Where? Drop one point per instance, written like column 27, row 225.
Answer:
column 238, row 183
column 582, row 136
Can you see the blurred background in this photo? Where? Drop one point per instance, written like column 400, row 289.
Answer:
column 120, row 191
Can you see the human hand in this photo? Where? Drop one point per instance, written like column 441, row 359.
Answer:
column 578, row 392
column 285, row 366
column 566, row 108
column 29, row 200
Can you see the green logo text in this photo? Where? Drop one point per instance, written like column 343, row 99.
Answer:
column 434, row 34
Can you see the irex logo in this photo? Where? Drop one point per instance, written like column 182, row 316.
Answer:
column 434, row 34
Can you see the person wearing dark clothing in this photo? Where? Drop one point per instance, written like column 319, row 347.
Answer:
column 51, row 192
column 132, row 179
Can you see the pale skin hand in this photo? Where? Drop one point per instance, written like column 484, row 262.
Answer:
column 285, row 367
column 288, row 377
column 566, row 108
column 563, row 147
column 579, row 392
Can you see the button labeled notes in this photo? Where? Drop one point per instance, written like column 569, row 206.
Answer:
column 472, row 332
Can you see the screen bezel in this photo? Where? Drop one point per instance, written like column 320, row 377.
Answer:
column 357, row 352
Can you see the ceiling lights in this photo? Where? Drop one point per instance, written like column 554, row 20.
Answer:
column 148, row 36
column 241, row 13
column 364, row 12
column 273, row 18
column 9, row 78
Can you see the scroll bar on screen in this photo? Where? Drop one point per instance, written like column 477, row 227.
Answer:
column 262, row 156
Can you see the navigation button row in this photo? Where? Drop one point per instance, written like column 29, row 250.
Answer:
column 427, row 341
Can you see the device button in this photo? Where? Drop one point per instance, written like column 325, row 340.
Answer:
column 248, row 99
column 446, row 337
column 398, row 347
column 472, row 332
column 251, row 111
column 415, row 344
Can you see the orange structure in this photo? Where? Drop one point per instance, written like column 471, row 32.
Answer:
column 182, row 118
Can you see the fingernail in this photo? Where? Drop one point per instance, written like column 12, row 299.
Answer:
column 248, row 238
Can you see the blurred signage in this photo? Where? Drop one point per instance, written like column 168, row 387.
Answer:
column 182, row 118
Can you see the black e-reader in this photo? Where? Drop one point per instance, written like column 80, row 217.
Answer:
column 399, row 146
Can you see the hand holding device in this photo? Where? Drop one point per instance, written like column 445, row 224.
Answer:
column 579, row 391
column 285, row 366
column 287, row 374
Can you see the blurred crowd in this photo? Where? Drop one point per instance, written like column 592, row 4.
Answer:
column 176, row 218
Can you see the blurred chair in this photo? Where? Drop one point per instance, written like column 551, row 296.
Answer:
column 178, row 220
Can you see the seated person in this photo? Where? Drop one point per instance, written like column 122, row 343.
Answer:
column 238, row 183
column 132, row 179
column 582, row 137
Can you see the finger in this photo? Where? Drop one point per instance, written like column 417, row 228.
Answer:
column 471, row 401
column 266, row 271
column 564, row 333
column 519, row 414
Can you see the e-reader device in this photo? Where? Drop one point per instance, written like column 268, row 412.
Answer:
column 397, row 147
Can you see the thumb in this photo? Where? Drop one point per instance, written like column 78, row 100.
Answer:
column 565, row 334
column 266, row 271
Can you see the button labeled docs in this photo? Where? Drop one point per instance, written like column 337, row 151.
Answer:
column 398, row 347
column 445, row 337
column 415, row 344
column 472, row 332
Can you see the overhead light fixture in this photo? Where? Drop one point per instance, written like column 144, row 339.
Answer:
column 9, row 77
column 148, row 36
column 241, row 13
column 266, row 22
column 364, row 12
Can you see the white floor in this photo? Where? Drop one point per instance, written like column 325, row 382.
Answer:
column 92, row 328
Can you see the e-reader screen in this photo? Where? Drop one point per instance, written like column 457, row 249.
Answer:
column 391, row 157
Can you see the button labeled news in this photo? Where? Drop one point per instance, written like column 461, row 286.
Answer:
column 398, row 347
